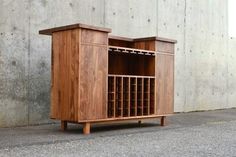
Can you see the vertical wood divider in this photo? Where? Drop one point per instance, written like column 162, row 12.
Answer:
column 142, row 96
column 114, row 103
column 129, row 84
column 136, row 96
column 149, row 93
column 122, row 98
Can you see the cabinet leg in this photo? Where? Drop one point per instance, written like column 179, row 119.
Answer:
column 86, row 128
column 63, row 125
column 139, row 122
column 163, row 121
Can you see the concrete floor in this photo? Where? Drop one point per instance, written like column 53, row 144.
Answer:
column 209, row 133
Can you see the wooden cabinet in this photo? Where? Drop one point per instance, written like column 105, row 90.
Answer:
column 101, row 78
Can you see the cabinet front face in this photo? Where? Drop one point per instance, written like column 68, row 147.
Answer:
column 93, row 65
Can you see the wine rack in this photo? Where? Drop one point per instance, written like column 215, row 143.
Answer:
column 130, row 96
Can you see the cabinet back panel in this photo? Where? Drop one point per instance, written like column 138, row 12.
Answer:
column 145, row 45
column 131, row 64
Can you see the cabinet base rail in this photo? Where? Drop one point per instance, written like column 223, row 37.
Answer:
column 87, row 123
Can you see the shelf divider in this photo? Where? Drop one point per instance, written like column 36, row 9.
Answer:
column 142, row 95
column 114, row 104
column 148, row 99
column 136, row 96
column 122, row 98
column 129, row 96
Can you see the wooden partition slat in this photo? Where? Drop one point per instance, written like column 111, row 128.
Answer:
column 129, row 96
column 152, row 96
column 136, row 96
column 119, row 97
column 122, row 98
column 114, row 103
column 125, row 97
column 142, row 94
column 139, row 96
column 145, row 96
column 133, row 97
column 148, row 99
column 111, row 96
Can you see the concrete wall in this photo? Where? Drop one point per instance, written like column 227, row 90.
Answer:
column 204, row 63
column 201, row 63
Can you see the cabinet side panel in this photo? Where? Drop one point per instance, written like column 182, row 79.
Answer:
column 65, row 85
column 93, row 82
column 73, row 75
column 164, row 83
column 55, row 105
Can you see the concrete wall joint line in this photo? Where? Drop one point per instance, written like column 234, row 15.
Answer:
column 28, row 62
column 184, row 49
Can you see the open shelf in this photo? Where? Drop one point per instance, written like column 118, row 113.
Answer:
column 127, row 61
column 130, row 96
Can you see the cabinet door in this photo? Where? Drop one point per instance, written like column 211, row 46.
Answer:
column 164, row 84
column 93, row 81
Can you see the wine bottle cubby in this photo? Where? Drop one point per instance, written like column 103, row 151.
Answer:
column 130, row 96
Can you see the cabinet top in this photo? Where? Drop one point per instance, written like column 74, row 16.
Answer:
column 73, row 26
column 156, row 39
column 153, row 38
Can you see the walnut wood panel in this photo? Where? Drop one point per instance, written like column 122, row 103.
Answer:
column 55, row 105
column 64, row 91
column 164, row 83
column 93, row 37
column 122, row 118
column 120, row 41
column 164, row 47
column 145, row 45
column 93, row 80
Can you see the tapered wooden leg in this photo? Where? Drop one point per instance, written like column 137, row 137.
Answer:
column 163, row 121
column 86, row 128
column 63, row 125
column 139, row 122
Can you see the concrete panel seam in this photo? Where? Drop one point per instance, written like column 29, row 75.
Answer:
column 28, row 70
column 184, row 49
column 157, row 18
